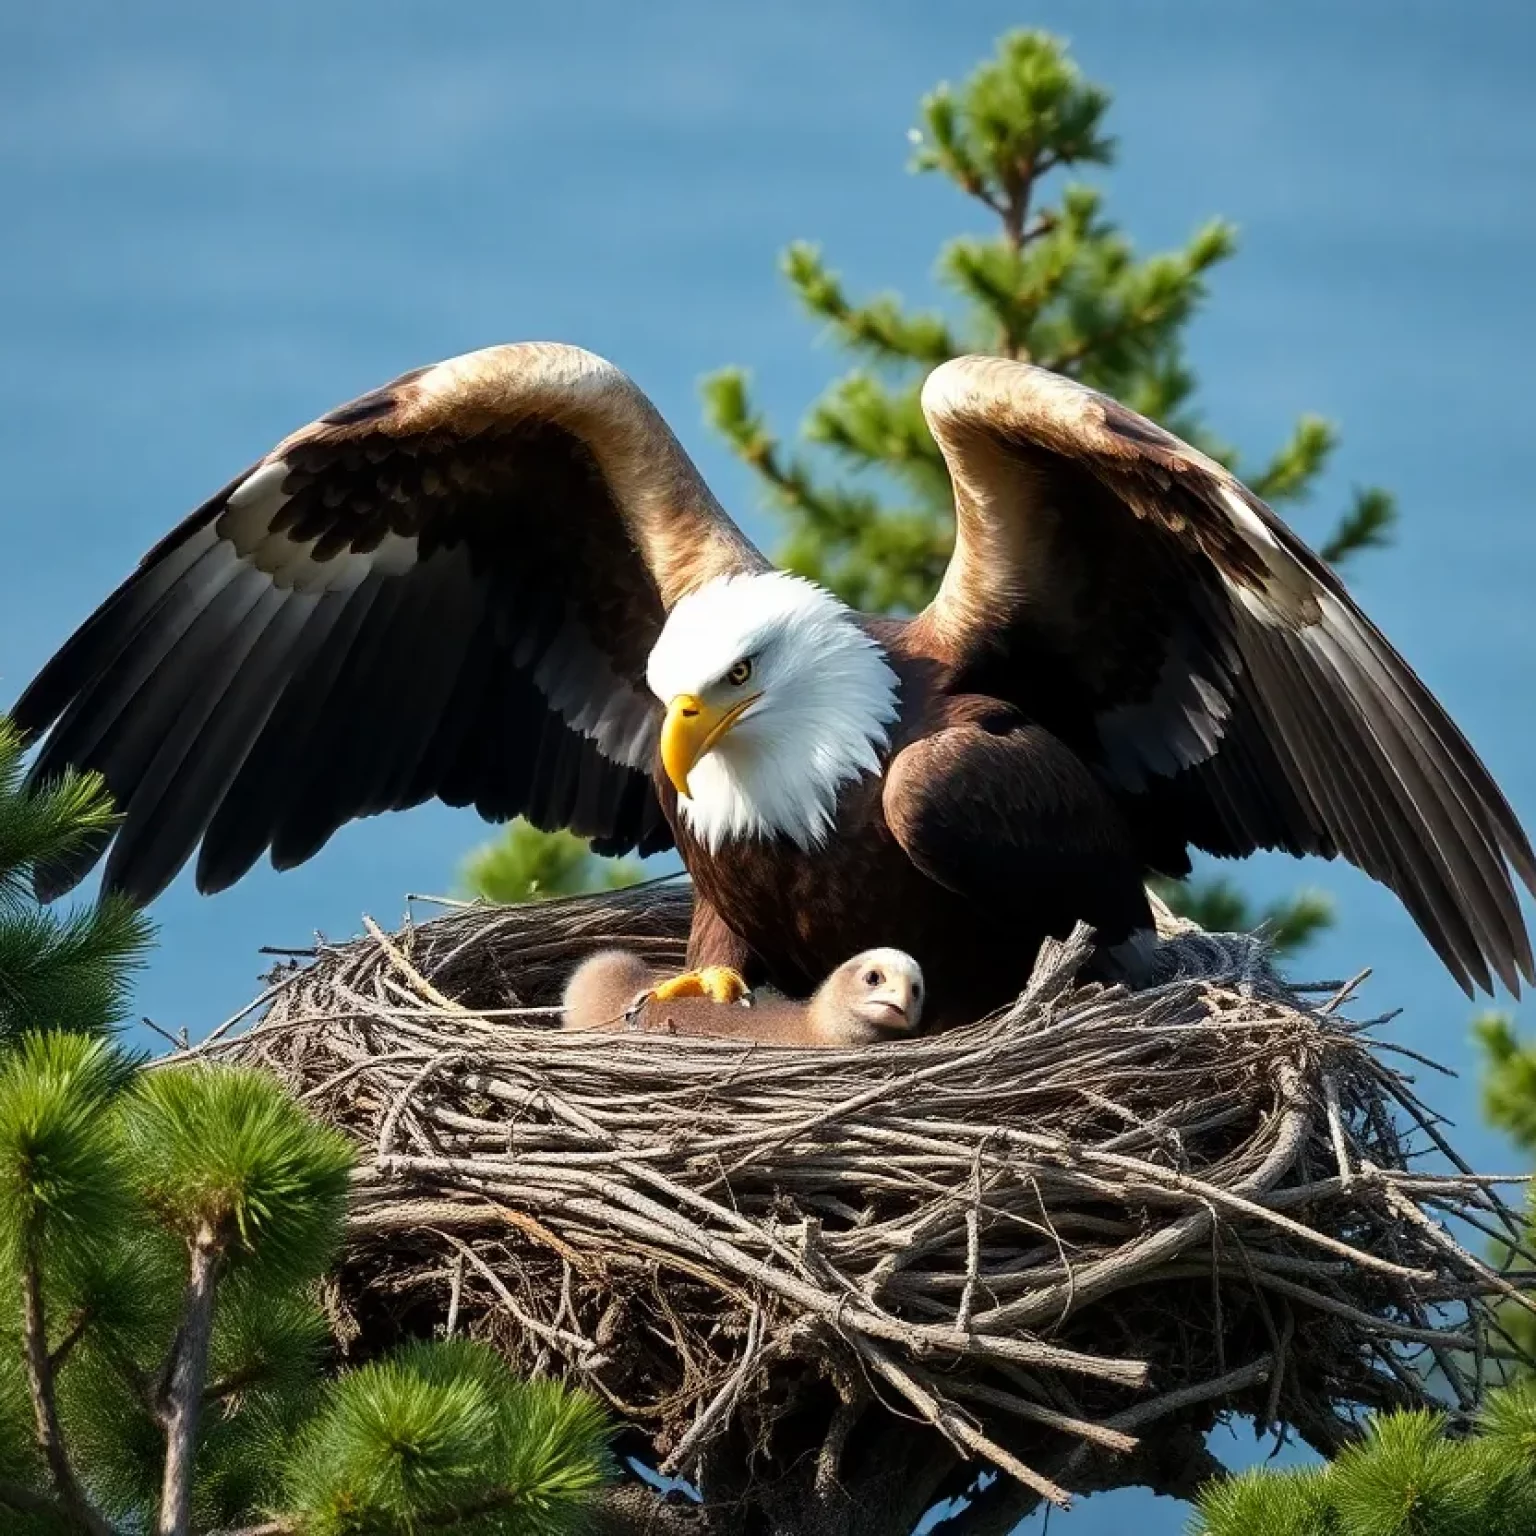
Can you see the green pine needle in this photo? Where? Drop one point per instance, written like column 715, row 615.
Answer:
column 1262, row 1503
column 242, row 1464
column 1026, row 109
column 556, row 1447
column 45, row 823
column 62, row 1177
column 20, row 1461
column 1289, row 475
column 126, row 1286
column 442, row 1434
column 117, row 1447
column 1403, row 1480
column 1509, row 1078
column 70, row 973
column 266, row 1338
column 226, row 1150
column 1508, row 1421
column 1369, row 524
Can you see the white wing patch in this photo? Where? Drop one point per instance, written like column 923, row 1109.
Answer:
column 1249, row 523
column 246, row 523
column 1290, row 596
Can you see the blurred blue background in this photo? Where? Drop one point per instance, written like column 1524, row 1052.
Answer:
column 217, row 221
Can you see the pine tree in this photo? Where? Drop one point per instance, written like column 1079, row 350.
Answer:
column 865, row 504
column 525, row 864
column 1408, row 1477
column 163, row 1229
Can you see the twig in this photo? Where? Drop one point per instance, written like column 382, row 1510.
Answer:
column 256, row 1003
column 957, row 1429
column 571, row 1343
column 455, row 1292
column 406, row 969
column 177, row 1042
column 66, row 1346
column 1038, row 1413
column 719, row 1407
column 403, row 1098
column 1336, row 1130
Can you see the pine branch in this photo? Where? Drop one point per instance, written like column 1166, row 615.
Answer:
column 69, row 973
column 525, row 864
column 40, row 1384
column 29, row 1502
column 1509, row 1079
column 1369, row 524
column 879, row 327
column 187, row 1373
column 1289, row 474
column 833, row 513
column 1293, row 923
column 874, row 426
column 465, row 1513
column 66, row 1346
column 1135, row 305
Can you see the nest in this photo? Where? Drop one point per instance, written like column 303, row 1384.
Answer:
column 1017, row 1245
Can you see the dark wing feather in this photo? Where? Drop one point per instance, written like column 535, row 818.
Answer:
column 447, row 588
column 965, row 801
column 1130, row 593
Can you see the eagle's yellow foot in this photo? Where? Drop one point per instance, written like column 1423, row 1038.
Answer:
column 719, row 983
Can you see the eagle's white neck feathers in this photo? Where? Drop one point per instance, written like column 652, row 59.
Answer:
column 828, row 698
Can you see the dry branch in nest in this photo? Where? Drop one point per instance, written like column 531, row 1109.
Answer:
column 831, row 1286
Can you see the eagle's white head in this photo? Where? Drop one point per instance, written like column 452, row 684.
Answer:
column 775, row 698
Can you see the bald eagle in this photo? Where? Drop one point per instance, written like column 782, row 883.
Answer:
column 499, row 581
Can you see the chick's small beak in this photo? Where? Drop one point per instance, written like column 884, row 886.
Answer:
column 896, row 995
column 691, row 728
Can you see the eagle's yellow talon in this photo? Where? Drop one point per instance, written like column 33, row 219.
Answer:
column 719, row 983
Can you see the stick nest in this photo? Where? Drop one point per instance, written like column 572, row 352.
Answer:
column 1034, row 1236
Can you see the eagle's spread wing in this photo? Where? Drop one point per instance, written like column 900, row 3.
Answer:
column 448, row 588
column 1129, row 592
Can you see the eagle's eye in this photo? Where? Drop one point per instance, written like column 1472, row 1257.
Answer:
column 873, row 978
column 740, row 672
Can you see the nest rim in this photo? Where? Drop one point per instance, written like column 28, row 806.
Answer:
column 831, row 1238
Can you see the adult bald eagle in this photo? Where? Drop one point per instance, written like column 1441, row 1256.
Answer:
column 501, row 582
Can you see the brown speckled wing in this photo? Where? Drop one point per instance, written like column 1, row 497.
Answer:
column 447, row 588
column 1127, row 591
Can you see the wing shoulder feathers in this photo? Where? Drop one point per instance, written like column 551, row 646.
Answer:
column 509, row 394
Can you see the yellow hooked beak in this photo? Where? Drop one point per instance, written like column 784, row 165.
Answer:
column 691, row 729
